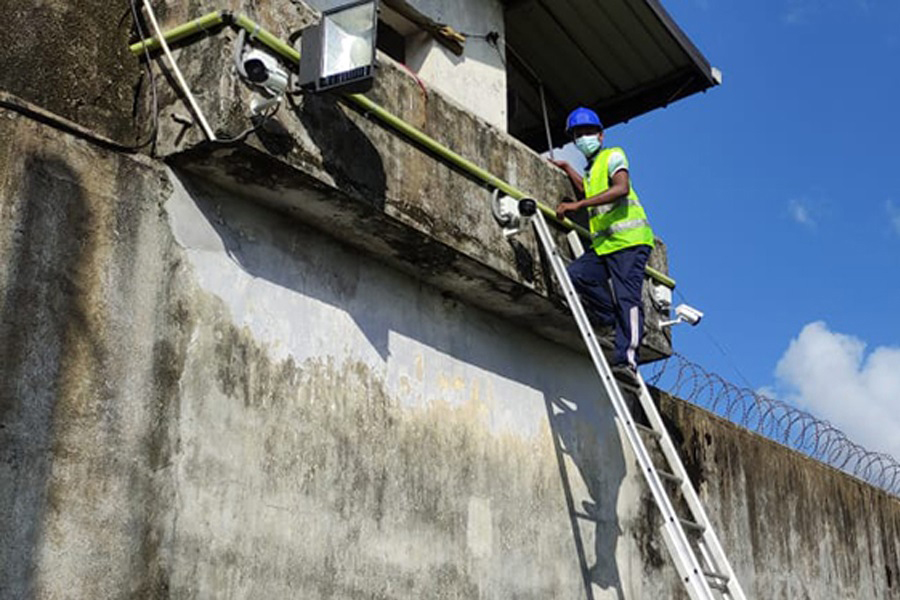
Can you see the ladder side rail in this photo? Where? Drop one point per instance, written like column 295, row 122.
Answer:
column 670, row 538
column 690, row 568
column 731, row 590
column 713, row 548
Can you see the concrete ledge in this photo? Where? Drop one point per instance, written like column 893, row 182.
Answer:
column 516, row 289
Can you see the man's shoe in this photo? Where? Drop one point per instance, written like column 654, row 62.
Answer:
column 626, row 374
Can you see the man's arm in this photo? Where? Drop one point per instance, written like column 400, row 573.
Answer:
column 574, row 175
column 618, row 189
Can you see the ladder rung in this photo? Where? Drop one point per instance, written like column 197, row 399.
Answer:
column 692, row 525
column 669, row 477
column 629, row 387
column 648, row 430
column 716, row 581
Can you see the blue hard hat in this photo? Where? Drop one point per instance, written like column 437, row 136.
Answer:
column 582, row 117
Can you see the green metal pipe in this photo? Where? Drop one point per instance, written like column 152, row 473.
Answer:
column 205, row 22
column 267, row 38
column 292, row 55
column 660, row 277
column 470, row 167
column 447, row 154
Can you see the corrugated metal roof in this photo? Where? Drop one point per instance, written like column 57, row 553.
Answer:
column 622, row 58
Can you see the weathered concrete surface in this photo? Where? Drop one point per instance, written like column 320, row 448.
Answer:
column 808, row 530
column 90, row 368
column 477, row 79
column 367, row 440
column 202, row 398
column 72, row 58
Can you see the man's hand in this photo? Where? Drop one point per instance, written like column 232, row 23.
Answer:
column 566, row 206
column 570, row 172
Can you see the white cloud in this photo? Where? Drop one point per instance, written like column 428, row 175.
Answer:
column 893, row 216
column 800, row 212
column 830, row 375
column 797, row 12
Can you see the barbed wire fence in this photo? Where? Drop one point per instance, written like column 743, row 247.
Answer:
column 775, row 420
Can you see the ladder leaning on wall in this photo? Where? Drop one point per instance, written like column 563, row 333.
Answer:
column 695, row 549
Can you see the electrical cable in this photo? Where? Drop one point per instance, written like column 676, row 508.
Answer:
column 493, row 39
column 42, row 116
column 148, row 65
column 178, row 75
column 720, row 347
column 418, row 79
column 261, row 122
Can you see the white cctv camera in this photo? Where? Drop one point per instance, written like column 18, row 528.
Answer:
column 684, row 314
column 264, row 70
column 511, row 214
column 688, row 313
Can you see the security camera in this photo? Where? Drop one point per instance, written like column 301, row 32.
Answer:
column 263, row 69
column 684, row 314
column 511, row 214
column 527, row 207
column 688, row 313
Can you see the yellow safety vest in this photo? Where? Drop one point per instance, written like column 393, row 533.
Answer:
column 619, row 224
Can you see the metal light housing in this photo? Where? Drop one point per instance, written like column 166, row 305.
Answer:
column 338, row 53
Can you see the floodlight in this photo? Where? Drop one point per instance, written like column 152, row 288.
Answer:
column 338, row 53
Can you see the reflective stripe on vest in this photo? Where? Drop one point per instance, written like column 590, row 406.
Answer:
column 617, row 225
column 605, row 208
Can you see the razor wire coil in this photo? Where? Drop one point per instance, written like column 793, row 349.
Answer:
column 776, row 420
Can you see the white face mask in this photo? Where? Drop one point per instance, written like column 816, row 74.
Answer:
column 588, row 144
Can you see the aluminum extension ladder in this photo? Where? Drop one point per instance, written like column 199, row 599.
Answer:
column 699, row 559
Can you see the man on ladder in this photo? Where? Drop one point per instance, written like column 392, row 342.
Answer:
column 609, row 276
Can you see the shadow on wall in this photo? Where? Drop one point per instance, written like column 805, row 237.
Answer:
column 347, row 153
column 68, row 391
column 290, row 256
column 41, row 317
column 590, row 438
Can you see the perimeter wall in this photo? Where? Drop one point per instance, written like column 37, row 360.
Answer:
column 245, row 372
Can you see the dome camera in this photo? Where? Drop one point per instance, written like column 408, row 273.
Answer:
column 263, row 69
column 511, row 214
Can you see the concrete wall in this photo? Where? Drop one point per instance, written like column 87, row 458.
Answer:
column 202, row 398
column 308, row 367
column 477, row 79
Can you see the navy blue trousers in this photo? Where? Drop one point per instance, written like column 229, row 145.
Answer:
column 610, row 289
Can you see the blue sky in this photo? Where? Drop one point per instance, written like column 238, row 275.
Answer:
column 778, row 195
